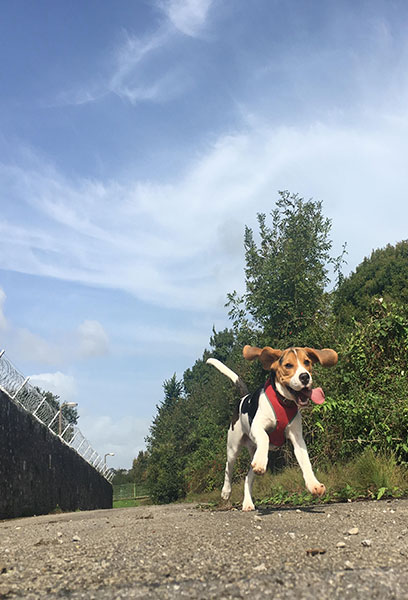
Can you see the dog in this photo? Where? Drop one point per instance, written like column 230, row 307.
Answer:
column 271, row 414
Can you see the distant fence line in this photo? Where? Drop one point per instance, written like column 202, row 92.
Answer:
column 130, row 491
column 17, row 388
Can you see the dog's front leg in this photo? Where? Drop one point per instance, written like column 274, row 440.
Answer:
column 294, row 433
column 261, row 440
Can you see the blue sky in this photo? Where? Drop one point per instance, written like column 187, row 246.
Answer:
column 137, row 138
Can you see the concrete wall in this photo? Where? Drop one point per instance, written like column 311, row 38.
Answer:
column 38, row 472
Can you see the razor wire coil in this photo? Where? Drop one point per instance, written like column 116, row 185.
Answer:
column 18, row 389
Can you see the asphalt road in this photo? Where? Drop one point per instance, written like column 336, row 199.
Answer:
column 357, row 551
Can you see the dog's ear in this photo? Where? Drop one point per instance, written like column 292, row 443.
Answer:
column 326, row 357
column 267, row 356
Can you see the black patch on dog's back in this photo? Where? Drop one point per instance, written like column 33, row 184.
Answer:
column 250, row 404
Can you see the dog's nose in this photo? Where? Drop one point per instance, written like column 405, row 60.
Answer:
column 304, row 378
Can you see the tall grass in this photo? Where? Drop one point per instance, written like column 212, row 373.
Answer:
column 369, row 475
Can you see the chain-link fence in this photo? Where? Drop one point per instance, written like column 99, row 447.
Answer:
column 130, row 491
column 17, row 388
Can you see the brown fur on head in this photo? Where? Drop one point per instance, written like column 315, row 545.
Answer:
column 269, row 356
column 292, row 367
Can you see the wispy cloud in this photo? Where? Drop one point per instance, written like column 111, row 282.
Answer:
column 188, row 16
column 93, row 340
column 58, row 383
column 180, row 244
column 137, row 69
column 123, row 436
column 88, row 340
column 135, row 76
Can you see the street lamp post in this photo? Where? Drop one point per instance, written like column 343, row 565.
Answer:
column 70, row 404
column 107, row 454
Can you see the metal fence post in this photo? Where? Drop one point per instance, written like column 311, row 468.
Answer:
column 20, row 388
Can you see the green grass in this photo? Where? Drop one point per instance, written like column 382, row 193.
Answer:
column 126, row 503
column 130, row 502
column 370, row 476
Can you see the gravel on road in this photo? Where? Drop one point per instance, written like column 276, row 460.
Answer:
column 352, row 550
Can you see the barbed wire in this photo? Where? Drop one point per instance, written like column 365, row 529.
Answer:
column 18, row 389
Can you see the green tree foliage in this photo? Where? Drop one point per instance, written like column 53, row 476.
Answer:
column 70, row 413
column 167, row 445
column 383, row 274
column 140, row 464
column 367, row 404
column 286, row 274
column 121, row 476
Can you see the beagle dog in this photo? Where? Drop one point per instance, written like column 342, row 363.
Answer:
column 271, row 414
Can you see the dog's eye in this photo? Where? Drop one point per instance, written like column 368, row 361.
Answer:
column 307, row 363
column 288, row 366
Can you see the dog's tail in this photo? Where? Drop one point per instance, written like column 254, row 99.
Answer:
column 236, row 379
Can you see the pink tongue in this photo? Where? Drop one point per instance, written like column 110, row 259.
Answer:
column 317, row 395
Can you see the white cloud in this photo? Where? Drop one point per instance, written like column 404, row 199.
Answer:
column 124, row 436
column 134, row 73
column 29, row 346
column 93, row 340
column 178, row 245
column 58, row 383
column 132, row 79
column 89, row 340
column 188, row 16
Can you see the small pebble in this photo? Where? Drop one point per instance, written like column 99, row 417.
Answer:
column 366, row 543
column 315, row 551
column 353, row 531
column 340, row 545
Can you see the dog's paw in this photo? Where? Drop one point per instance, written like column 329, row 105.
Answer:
column 318, row 489
column 225, row 493
column 248, row 506
column 259, row 466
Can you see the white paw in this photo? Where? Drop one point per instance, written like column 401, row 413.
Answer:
column 225, row 493
column 247, row 506
column 317, row 489
column 259, row 466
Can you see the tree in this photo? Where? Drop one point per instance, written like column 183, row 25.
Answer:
column 69, row 413
column 383, row 274
column 167, row 445
column 286, row 274
column 222, row 343
column 121, row 476
column 139, row 467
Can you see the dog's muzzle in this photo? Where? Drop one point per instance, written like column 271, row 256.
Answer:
column 302, row 397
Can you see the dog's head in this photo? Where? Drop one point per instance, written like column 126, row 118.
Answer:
column 292, row 370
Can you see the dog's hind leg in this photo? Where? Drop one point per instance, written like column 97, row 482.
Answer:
column 247, row 503
column 234, row 444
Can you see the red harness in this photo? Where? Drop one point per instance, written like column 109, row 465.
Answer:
column 284, row 413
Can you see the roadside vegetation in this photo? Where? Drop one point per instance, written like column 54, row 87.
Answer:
column 296, row 294
column 368, row 476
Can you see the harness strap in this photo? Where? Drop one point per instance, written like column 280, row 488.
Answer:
column 284, row 413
